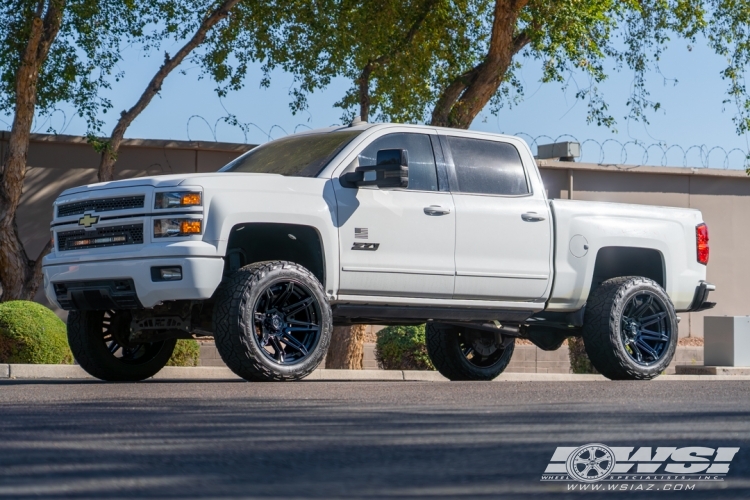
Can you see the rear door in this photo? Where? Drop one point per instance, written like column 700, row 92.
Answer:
column 503, row 227
column 398, row 242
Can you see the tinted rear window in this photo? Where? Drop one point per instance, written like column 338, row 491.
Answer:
column 488, row 167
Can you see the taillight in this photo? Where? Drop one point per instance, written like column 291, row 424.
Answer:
column 701, row 239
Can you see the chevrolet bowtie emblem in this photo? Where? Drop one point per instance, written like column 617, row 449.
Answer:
column 88, row 220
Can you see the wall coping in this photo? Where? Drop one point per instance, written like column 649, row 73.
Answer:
column 642, row 169
column 141, row 143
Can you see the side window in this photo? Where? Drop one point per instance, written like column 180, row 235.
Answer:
column 422, row 171
column 487, row 167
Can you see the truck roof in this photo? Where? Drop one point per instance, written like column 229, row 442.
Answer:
column 367, row 126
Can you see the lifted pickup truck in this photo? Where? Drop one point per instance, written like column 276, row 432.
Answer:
column 371, row 223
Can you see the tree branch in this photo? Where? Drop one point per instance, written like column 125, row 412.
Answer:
column 465, row 97
column 364, row 77
column 109, row 155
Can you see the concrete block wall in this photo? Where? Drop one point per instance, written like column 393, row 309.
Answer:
column 526, row 358
column 531, row 359
column 209, row 355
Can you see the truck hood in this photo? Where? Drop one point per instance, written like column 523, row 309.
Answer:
column 160, row 181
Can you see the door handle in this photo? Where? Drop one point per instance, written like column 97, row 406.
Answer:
column 436, row 210
column 532, row 217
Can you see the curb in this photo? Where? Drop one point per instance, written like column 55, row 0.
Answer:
column 74, row 372
column 712, row 370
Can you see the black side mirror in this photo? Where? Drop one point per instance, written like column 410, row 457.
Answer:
column 390, row 171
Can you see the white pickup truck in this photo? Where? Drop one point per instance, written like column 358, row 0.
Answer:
column 377, row 224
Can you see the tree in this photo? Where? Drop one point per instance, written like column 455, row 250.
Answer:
column 51, row 51
column 394, row 47
column 464, row 55
column 109, row 148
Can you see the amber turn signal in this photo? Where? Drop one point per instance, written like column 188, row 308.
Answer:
column 177, row 227
column 190, row 227
column 190, row 199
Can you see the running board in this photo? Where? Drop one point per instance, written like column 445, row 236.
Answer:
column 386, row 315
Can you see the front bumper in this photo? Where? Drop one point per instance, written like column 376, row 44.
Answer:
column 127, row 283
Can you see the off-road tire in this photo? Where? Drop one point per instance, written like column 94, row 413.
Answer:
column 235, row 340
column 602, row 335
column 445, row 353
column 89, row 350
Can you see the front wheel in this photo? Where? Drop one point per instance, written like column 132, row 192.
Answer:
column 100, row 344
column 630, row 329
column 272, row 322
column 461, row 353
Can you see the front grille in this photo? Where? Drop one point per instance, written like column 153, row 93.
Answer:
column 131, row 234
column 101, row 205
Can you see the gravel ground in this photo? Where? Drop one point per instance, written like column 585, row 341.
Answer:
column 328, row 440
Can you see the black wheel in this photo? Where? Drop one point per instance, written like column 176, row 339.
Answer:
column 630, row 329
column 466, row 353
column 99, row 342
column 272, row 321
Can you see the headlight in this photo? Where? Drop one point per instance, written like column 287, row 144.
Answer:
column 177, row 199
column 177, row 227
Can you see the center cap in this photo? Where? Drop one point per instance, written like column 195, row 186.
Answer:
column 276, row 323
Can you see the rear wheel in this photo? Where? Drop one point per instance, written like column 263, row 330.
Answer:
column 272, row 321
column 461, row 353
column 99, row 342
column 630, row 329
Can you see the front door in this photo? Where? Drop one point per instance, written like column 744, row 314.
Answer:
column 503, row 235
column 398, row 242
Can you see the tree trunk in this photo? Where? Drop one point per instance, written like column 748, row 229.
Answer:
column 470, row 92
column 347, row 348
column 20, row 276
column 112, row 146
column 363, row 82
column 364, row 92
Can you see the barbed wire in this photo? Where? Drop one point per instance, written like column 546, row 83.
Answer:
column 244, row 127
column 632, row 153
column 614, row 152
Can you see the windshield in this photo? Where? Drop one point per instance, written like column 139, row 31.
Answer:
column 296, row 155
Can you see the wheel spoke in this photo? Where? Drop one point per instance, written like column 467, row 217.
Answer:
column 636, row 351
column 284, row 295
column 264, row 338
column 294, row 343
column 313, row 328
column 643, row 307
column 654, row 318
column 297, row 307
column 279, row 351
column 113, row 347
column 652, row 335
column 647, row 348
column 300, row 323
column 269, row 297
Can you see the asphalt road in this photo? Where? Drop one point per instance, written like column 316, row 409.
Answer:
column 327, row 440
